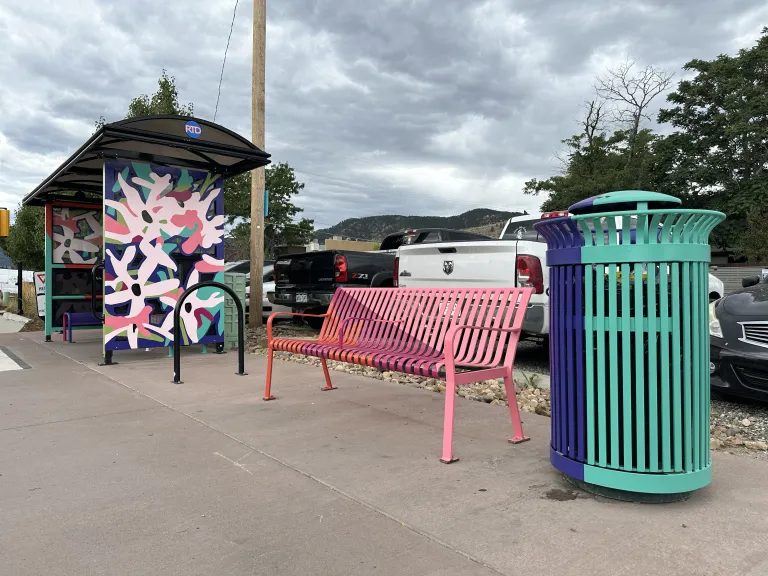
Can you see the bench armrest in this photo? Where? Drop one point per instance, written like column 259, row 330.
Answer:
column 276, row 314
column 450, row 336
column 350, row 320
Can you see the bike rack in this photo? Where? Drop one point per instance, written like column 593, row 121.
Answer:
column 177, row 328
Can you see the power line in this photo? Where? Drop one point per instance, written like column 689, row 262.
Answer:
column 221, row 78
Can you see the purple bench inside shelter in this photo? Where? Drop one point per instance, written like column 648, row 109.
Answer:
column 77, row 319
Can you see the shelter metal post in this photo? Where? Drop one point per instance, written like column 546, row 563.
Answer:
column 20, row 285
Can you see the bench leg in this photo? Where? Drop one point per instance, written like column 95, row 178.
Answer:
column 514, row 411
column 268, row 389
column 328, row 384
column 450, row 400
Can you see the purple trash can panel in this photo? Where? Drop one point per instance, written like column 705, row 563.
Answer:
column 565, row 465
column 564, row 240
column 567, row 361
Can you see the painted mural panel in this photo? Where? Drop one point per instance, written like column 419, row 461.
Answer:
column 73, row 243
column 163, row 232
column 76, row 235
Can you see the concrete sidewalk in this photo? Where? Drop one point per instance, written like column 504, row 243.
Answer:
column 9, row 323
column 114, row 470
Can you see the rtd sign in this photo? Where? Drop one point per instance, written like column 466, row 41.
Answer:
column 193, row 129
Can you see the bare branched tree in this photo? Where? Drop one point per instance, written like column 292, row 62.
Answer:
column 632, row 91
column 593, row 122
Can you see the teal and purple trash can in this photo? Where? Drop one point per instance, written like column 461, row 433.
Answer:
column 629, row 344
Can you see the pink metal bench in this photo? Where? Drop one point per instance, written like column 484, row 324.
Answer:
column 421, row 331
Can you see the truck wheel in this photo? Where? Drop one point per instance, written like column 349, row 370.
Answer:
column 382, row 280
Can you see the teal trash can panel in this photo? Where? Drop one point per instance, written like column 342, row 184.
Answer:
column 629, row 341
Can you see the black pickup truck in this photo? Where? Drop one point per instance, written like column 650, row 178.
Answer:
column 307, row 281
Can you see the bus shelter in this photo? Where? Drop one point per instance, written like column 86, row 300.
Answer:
column 132, row 219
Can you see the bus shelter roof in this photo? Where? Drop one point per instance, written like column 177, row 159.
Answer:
column 180, row 141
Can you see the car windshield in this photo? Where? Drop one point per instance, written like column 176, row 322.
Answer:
column 523, row 230
column 393, row 242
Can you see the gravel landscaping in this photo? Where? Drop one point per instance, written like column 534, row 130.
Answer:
column 738, row 425
column 735, row 426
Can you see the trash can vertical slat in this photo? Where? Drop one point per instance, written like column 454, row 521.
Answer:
column 699, row 294
column 677, row 383
column 561, row 350
column 705, row 397
column 553, row 381
column 653, row 366
column 589, row 363
column 569, row 360
column 579, row 329
column 687, row 400
column 696, row 363
column 628, row 422
column 613, row 414
column 666, row 381
column 601, row 371
column 702, row 329
column 640, row 383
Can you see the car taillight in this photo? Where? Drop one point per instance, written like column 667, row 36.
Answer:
column 396, row 272
column 340, row 269
column 529, row 273
column 557, row 214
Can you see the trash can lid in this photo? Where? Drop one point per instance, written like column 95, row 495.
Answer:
column 623, row 200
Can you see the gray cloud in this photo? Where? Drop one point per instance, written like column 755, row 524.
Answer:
column 391, row 106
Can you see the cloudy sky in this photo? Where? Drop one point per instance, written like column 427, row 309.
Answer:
column 381, row 106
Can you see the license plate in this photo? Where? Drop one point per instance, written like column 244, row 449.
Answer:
column 301, row 298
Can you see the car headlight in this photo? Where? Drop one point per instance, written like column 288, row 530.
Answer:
column 714, row 324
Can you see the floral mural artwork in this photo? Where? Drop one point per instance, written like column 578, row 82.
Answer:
column 163, row 232
column 76, row 235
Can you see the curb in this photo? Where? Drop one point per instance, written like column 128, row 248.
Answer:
column 15, row 317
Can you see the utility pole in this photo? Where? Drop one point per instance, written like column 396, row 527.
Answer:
column 257, row 176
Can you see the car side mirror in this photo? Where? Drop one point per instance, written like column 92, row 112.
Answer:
column 750, row 281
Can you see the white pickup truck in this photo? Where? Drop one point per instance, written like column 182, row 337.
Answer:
column 517, row 258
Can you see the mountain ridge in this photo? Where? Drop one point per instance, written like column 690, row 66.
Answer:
column 375, row 228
